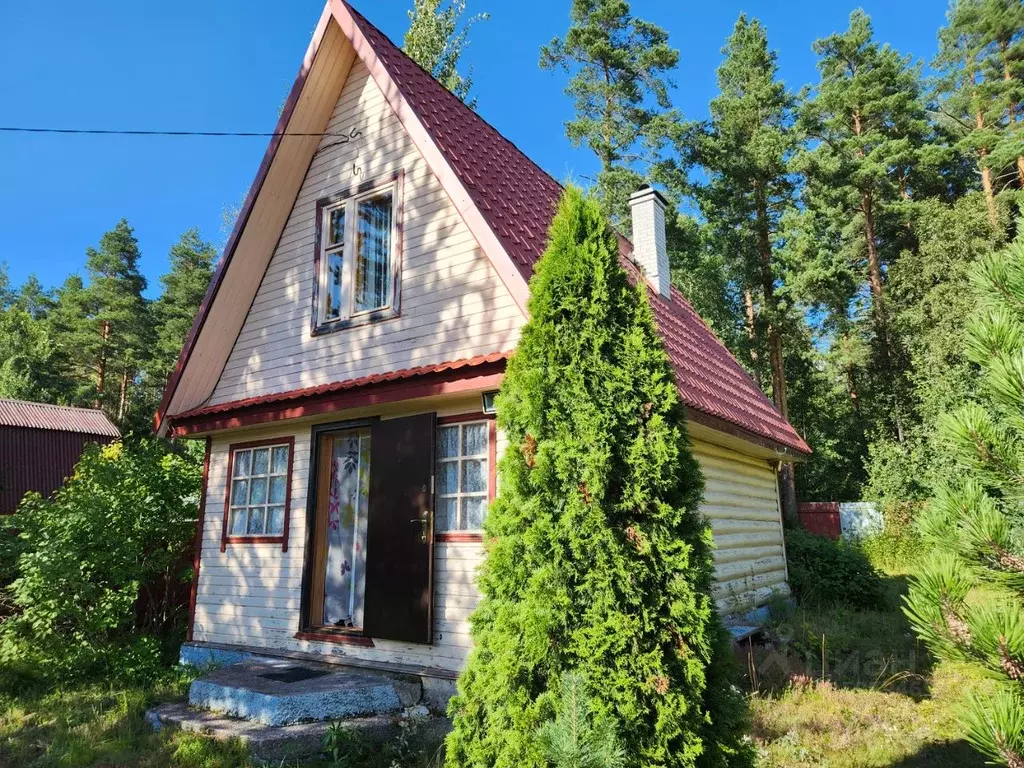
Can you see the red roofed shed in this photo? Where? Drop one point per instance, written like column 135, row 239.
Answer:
column 40, row 445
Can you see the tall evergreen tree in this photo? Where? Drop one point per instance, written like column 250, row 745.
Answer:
column 33, row 298
column 27, row 369
column 71, row 331
column 620, row 89
column 192, row 260
column 981, row 89
column 599, row 562
column 976, row 521
column 7, row 294
column 436, row 39
column 746, row 148
column 867, row 123
column 121, row 330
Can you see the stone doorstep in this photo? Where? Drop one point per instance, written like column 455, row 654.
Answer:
column 278, row 743
column 281, row 693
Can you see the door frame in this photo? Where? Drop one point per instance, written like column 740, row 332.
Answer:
column 309, row 560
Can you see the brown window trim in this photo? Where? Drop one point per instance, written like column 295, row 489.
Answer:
column 225, row 539
column 318, row 328
column 334, row 636
column 469, row 537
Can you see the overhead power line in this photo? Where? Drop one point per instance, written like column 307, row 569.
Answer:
column 111, row 132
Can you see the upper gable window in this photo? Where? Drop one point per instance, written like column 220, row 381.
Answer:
column 358, row 256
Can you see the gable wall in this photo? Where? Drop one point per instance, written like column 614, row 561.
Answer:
column 453, row 304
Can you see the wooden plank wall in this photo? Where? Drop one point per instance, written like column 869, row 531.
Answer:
column 453, row 304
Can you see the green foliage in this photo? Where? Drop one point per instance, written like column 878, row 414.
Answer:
column 575, row 739
column 599, row 561
column 436, row 39
column 620, row 91
column 975, row 522
column 192, row 260
column 100, row 564
column 826, row 572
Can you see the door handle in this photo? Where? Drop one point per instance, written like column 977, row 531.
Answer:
column 424, row 522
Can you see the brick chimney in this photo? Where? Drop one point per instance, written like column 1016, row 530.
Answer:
column 650, row 251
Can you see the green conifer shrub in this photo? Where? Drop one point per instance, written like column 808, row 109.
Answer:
column 598, row 561
column 975, row 522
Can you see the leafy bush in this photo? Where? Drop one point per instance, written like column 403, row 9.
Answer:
column 827, row 572
column 101, row 567
column 599, row 562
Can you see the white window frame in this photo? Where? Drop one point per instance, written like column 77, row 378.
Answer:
column 233, row 508
column 348, row 315
column 459, row 494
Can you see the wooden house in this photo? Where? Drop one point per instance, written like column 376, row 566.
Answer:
column 342, row 365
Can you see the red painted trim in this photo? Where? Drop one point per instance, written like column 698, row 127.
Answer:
column 340, row 638
column 460, row 537
column 198, row 556
column 294, row 407
column 283, row 538
column 243, row 218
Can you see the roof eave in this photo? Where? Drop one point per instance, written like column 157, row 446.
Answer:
column 159, row 419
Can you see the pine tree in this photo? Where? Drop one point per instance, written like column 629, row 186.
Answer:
column 7, row 294
column 192, row 260
column 119, row 318
column 620, row 89
column 599, row 562
column 868, row 124
column 33, row 298
column 27, row 370
column 976, row 519
column 746, row 148
column 436, row 39
column 981, row 89
column 71, row 331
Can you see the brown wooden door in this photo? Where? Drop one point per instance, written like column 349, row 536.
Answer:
column 399, row 540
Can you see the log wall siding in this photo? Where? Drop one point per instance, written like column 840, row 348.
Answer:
column 741, row 501
column 453, row 304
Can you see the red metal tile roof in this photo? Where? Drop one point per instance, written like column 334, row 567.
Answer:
column 60, row 418
column 341, row 386
column 518, row 200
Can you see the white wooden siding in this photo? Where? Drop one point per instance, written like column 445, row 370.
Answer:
column 453, row 304
column 741, row 501
column 250, row 594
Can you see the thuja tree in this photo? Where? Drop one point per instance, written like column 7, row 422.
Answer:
column 598, row 562
column 976, row 522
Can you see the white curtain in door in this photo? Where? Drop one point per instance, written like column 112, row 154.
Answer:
column 345, row 582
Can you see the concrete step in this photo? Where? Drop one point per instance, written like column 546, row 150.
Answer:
column 279, row 744
column 280, row 693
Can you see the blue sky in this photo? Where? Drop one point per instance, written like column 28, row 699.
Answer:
column 228, row 65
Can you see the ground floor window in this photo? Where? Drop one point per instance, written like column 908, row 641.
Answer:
column 463, row 475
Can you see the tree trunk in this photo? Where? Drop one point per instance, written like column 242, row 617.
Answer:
column 101, row 366
column 986, row 176
column 751, row 324
column 787, row 480
column 1008, row 76
column 122, row 401
column 875, row 274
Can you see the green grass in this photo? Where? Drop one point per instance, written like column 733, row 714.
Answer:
column 834, row 688
column 842, row 689
column 95, row 725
